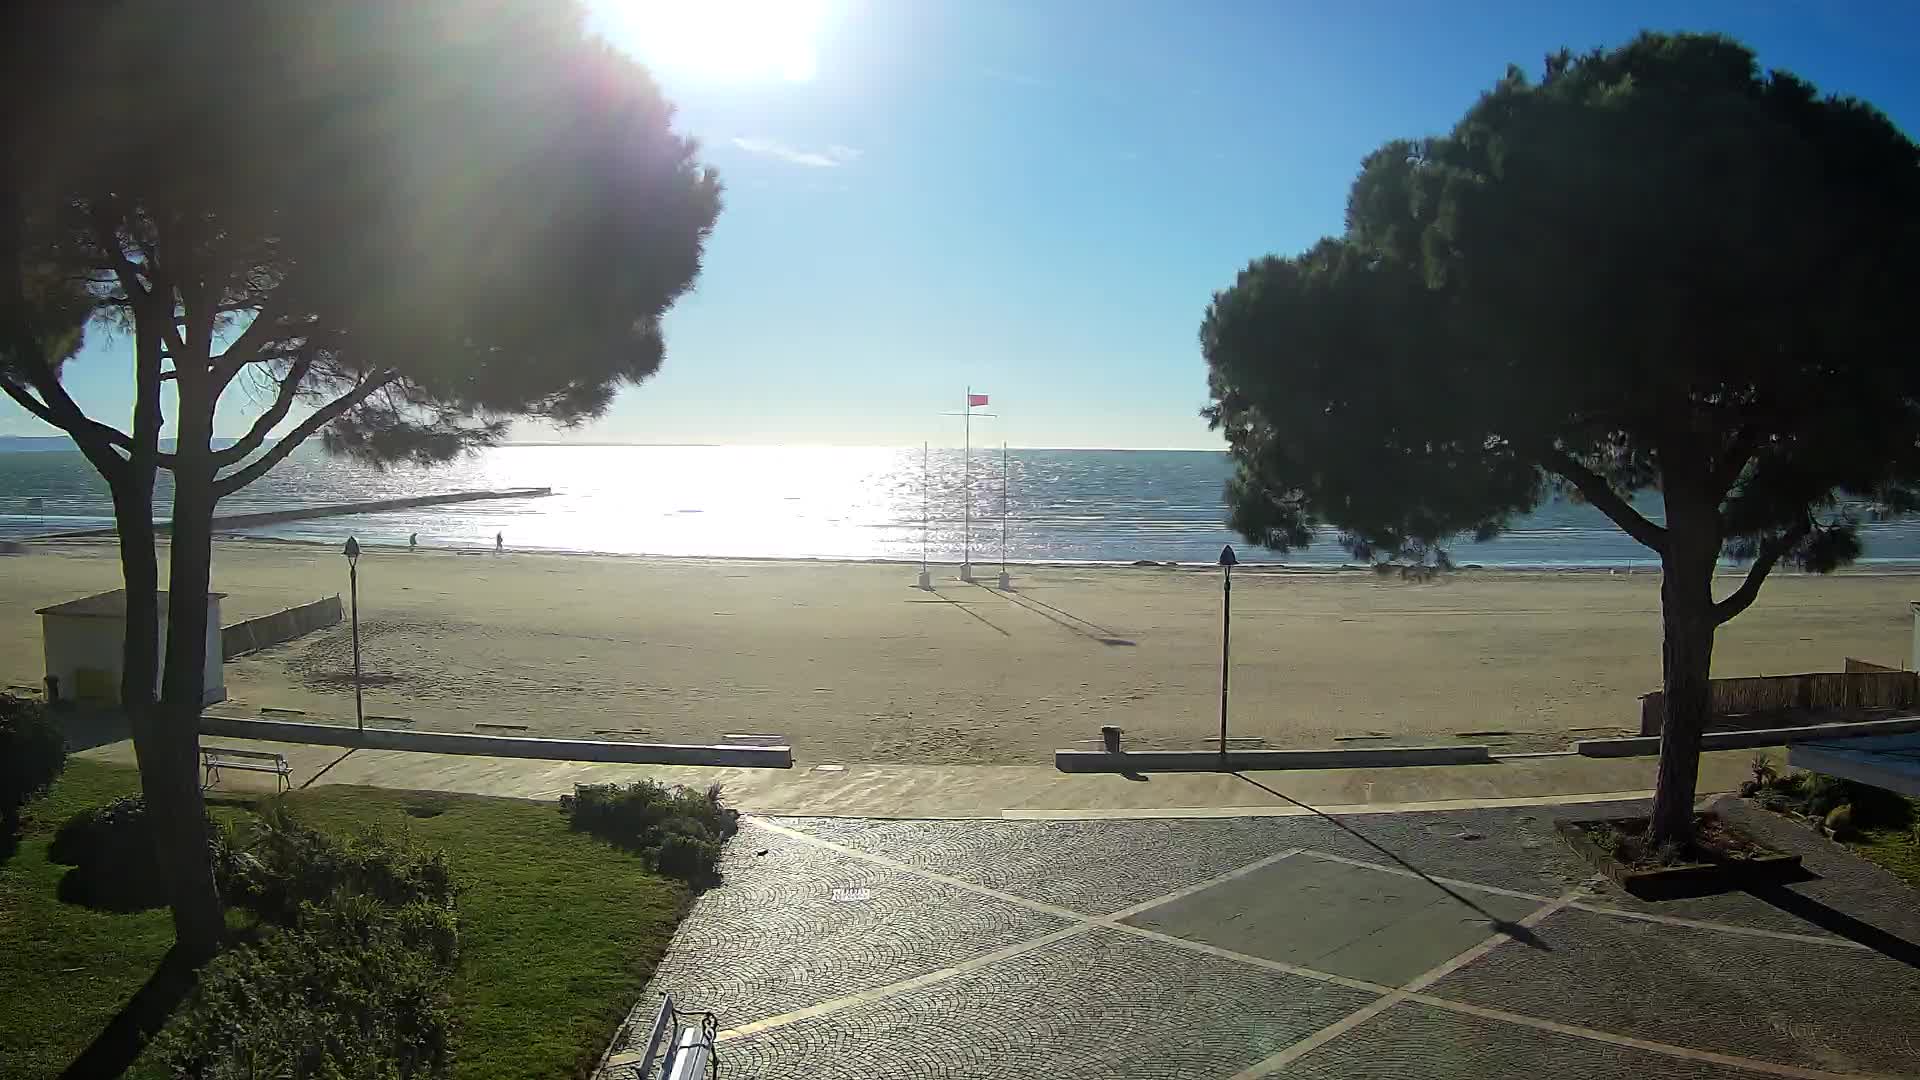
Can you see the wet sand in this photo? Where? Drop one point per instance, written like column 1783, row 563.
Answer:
column 853, row 664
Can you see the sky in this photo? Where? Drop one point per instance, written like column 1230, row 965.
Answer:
column 1037, row 198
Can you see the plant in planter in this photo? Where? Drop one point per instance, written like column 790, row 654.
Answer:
column 1720, row 854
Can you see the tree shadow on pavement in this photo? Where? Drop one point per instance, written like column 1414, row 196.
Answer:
column 1514, row 930
column 145, row 1013
column 1838, row 922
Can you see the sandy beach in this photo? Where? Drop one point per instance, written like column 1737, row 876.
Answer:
column 853, row 664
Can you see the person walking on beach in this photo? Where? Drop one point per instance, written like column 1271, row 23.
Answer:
column 499, row 542
column 413, row 541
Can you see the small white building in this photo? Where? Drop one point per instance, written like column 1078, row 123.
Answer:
column 84, row 639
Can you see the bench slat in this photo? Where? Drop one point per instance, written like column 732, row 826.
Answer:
column 222, row 751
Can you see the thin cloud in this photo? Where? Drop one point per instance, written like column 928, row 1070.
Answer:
column 831, row 158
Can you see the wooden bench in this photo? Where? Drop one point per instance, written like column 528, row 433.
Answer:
column 215, row 758
column 681, row 1044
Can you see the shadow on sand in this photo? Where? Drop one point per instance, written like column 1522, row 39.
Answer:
column 1085, row 628
column 940, row 599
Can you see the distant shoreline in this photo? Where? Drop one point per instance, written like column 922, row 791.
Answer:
column 988, row 569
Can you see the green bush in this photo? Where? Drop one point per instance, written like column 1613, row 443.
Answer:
column 354, row 983
column 292, row 865
column 688, row 854
column 1840, row 821
column 32, row 754
column 115, row 864
column 681, row 830
column 356, row 989
column 1821, row 793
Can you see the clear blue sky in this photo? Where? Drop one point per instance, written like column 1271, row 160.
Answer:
column 1037, row 198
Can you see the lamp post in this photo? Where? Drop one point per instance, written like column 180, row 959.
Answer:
column 1227, row 561
column 352, row 553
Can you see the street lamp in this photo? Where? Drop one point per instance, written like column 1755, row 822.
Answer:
column 1227, row 561
column 352, row 553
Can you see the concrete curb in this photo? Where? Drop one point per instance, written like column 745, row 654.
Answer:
column 1078, row 761
column 1648, row 745
column 443, row 742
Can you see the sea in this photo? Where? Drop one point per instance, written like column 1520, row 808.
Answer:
column 818, row 502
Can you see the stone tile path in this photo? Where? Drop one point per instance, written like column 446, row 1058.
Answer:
column 1467, row 944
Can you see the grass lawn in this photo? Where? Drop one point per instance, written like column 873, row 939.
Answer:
column 64, row 970
column 1895, row 850
column 559, row 931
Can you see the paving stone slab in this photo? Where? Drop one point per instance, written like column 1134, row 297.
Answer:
column 802, row 924
column 1843, row 1010
column 1094, row 1006
column 1093, row 867
column 1415, row 1040
column 1508, row 848
column 1330, row 916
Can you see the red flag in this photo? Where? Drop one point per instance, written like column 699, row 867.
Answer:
column 976, row 399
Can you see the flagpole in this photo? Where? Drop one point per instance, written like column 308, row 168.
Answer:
column 966, row 493
column 1005, row 581
column 926, row 578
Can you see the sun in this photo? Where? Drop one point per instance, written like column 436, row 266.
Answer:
column 732, row 39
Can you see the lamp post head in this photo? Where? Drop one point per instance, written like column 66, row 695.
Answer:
column 352, row 551
column 1227, row 557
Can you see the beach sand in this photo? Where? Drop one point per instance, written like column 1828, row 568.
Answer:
column 852, row 664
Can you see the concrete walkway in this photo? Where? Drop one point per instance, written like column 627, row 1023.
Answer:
column 1460, row 944
column 1012, row 791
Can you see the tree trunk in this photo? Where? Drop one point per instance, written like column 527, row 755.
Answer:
column 169, row 765
column 181, row 814
column 1687, row 623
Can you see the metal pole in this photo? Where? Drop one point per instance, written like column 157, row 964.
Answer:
column 966, row 497
column 923, row 508
column 1226, row 637
column 1003, row 510
column 353, row 587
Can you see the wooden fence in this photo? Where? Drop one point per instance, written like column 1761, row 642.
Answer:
column 285, row 625
column 1864, row 689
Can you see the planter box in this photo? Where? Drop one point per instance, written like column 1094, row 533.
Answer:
column 1680, row 879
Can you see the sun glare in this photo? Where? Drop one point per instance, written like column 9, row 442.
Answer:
column 737, row 39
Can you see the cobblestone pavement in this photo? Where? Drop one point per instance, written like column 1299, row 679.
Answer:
column 1468, row 944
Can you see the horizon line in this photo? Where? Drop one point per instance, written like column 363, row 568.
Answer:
column 860, row 446
column 717, row 445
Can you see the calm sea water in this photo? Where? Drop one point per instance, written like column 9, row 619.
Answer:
column 814, row 502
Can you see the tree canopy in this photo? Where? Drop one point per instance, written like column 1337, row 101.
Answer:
column 396, row 225
column 1654, row 268
column 417, row 218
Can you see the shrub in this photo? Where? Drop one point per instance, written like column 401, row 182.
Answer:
column 1840, row 821
column 688, row 853
column 358, row 988
column 1876, row 807
column 354, row 983
column 292, row 865
column 32, row 754
column 1821, row 793
column 679, row 829
column 115, row 865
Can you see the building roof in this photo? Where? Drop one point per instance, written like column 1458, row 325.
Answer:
column 106, row 605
